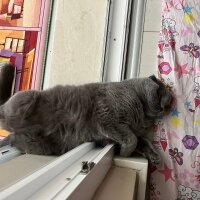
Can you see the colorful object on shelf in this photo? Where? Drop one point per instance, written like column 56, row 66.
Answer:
column 3, row 134
column 23, row 31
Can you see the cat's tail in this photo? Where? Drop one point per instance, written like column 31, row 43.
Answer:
column 7, row 81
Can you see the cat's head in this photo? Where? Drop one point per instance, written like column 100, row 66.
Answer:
column 159, row 98
column 18, row 108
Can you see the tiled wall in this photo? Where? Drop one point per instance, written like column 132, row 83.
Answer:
column 150, row 38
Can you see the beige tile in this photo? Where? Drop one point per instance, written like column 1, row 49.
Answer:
column 149, row 54
column 153, row 15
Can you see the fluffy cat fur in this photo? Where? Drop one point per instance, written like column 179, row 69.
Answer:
column 54, row 121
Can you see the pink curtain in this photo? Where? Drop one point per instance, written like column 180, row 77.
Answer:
column 177, row 136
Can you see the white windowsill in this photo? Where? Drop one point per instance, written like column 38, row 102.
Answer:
column 61, row 178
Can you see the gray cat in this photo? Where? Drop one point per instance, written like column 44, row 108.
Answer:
column 54, row 121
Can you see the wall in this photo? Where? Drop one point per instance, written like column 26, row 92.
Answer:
column 77, row 48
column 150, row 38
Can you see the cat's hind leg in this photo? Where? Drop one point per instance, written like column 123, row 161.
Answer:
column 147, row 149
column 125, row 137
column 128, row 145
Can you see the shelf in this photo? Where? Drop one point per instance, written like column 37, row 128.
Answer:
column 20, row 28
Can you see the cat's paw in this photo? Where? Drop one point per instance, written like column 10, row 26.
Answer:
column 124, row 153
column 126, row 150
column 154, row 158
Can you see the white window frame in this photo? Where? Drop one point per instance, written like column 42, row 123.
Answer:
column 49, row 51
column 116, row 43
column 124, row 44
column 134, row 50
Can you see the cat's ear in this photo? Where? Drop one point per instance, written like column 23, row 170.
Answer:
column 160, row 94
column 22, row 104
column 151, row 90
column 153, row 78
column 29, row 103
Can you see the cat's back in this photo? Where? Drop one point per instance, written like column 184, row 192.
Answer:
column 72, row 102
column 118, row 102
column 69, row 95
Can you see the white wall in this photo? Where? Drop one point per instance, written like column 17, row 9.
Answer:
column 76, row 50
column 150, row 38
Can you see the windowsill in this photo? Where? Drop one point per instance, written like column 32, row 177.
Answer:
column 20, row 167
column 45, row 177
